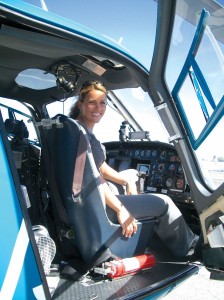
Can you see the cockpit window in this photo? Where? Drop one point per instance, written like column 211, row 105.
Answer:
column 36, row 79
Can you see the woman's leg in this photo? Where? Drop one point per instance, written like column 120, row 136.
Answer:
column 171, row 228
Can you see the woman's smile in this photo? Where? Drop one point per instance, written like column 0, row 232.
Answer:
column 93, row 108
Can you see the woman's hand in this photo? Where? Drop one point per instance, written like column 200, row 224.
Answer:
column 131, row 188
column 126, row 178
column 127, row 221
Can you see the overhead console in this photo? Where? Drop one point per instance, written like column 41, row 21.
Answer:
column 158, row 161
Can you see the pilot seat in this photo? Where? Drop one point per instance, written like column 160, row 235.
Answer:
column 77, row 198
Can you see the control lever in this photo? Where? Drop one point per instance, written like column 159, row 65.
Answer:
column 141, row 182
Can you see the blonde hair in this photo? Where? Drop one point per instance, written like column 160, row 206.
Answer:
column 85, row 89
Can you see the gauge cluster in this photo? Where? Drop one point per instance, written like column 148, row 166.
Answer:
column 158, row 161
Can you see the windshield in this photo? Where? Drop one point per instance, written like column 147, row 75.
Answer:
column 141, row 107
column 136, row 101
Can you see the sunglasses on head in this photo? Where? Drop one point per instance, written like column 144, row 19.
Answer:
column 92, row 82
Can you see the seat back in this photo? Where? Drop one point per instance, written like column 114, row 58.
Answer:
column 96, row 237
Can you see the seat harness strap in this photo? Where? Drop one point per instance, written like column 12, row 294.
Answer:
column 79, row 165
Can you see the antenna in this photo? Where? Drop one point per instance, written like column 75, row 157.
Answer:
column 43, row 5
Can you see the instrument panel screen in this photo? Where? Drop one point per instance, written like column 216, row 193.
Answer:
column 144, row 168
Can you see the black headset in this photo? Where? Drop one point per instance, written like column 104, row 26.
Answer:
column 66, row 76
column 67, row 86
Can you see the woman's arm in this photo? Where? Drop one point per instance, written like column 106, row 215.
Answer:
column 127, row 221
column 112, row 175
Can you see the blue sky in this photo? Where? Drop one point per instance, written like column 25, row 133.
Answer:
column 131, row 22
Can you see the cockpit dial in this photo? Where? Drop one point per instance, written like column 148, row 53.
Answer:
column 163, row 154
column 180, row 183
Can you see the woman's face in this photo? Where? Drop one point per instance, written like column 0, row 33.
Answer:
column 93, row 107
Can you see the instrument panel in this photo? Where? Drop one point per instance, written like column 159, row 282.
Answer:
column 159, row 162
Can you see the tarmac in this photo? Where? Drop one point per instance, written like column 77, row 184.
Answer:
column 198, row 287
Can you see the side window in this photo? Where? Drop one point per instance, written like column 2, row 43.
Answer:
column 12, row 109
column 60, row 107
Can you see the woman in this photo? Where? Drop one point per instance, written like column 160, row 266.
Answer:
column 90, row 112
column 171, row 228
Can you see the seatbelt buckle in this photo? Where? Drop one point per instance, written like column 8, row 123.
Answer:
column 48, row 123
